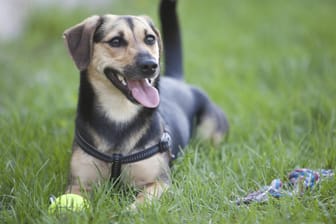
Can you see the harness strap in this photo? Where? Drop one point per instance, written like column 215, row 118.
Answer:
column 117, row 159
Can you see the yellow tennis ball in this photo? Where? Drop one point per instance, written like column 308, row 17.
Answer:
column 68, row 203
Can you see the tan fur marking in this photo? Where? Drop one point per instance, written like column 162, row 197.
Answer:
column 150, row 192
column 207, row 130
column 115, row 105
column 86, row 170
column 104, row 147
column 146, row 171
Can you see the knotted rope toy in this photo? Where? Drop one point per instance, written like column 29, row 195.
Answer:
column 300, row 180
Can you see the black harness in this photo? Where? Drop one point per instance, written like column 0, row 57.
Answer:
column 117, row 159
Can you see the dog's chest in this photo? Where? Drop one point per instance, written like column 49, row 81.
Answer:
column 117, row 140
column 141, row 172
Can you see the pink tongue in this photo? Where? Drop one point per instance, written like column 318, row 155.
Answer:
column 144, row 93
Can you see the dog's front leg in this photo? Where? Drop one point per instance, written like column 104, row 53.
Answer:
column 150, row 192
column 85, row 170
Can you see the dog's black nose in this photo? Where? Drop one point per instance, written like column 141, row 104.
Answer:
column 148, row 66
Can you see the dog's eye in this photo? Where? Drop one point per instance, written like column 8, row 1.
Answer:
column 150, row 39
column 117, row 42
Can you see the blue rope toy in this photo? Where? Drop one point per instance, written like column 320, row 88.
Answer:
column 300, row 180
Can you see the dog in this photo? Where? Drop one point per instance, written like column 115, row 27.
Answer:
column 132, row 122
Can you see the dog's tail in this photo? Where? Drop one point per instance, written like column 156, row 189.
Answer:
column 171, row 37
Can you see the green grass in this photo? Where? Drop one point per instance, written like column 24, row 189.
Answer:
column 271, row 65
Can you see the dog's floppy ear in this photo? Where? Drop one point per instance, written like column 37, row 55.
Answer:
column 79, row 41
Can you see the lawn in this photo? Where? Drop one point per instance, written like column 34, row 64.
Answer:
column 271, row 65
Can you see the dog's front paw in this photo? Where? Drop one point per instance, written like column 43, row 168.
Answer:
column 132, row 207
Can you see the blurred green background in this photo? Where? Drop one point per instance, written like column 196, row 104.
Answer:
column 271, row 66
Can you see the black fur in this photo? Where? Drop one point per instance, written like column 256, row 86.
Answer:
column 129, row 21
column 171, row 39
column 99, row 34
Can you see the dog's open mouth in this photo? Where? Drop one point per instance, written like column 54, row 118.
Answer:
column 137, row 91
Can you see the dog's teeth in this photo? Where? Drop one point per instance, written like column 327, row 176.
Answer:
column 120, row 78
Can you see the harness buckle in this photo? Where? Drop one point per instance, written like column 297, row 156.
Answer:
column 166, row 144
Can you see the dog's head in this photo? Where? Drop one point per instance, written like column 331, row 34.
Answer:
column 122, row 50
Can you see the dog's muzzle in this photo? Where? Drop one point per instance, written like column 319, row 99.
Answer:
column 148, row 66
column 140, row 91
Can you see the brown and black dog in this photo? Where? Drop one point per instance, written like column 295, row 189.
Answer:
column 130, row 121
